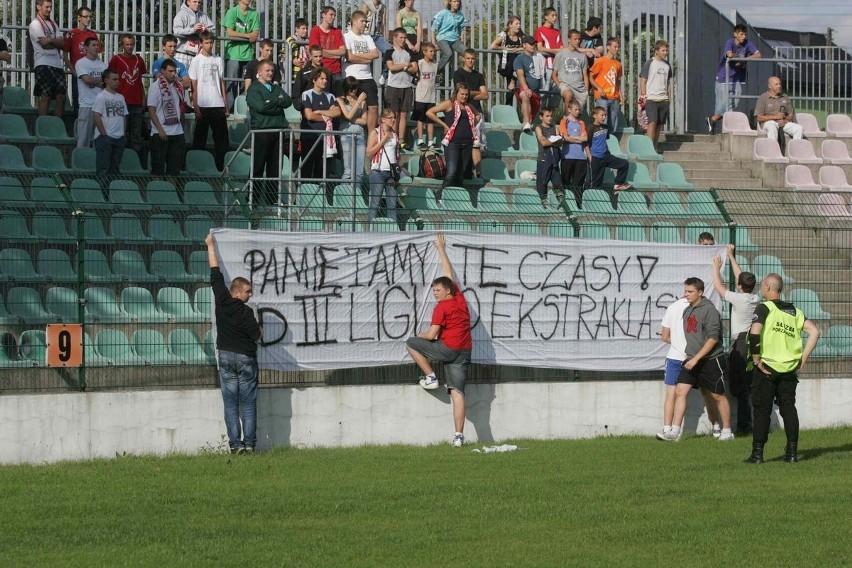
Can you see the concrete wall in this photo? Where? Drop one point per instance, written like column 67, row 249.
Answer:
column 76, row 426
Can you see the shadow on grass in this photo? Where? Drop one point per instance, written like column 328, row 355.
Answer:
column 814, row 453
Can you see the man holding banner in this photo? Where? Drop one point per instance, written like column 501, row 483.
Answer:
column 448, row 340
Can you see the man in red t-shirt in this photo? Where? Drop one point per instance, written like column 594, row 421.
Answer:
column 447, row 340
column 75, row 47
column 130, row 67
column 333, row 46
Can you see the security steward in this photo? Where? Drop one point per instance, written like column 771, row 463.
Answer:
column 775, row 340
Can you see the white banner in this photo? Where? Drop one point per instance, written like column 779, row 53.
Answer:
column 347, row 300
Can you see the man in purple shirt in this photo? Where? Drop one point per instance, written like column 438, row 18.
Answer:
column 727, row 94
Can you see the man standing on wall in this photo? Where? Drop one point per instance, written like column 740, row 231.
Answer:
column 89, row 86
column 655, row 87
column 242, row 27
column 237, row 334
column 447, row 340
column 49, row 73
column 728, row 93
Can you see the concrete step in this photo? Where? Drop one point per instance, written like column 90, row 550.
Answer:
column 707, row 183
column 718, row 165
column 680, row 138
column 716, row 173
column 686, row 154
column 714, row 148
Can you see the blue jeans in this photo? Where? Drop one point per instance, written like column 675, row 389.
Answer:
column 238, row 379
column 381, row 182
column 613, row 107
column 234, row 70
column 360, row 154
column 447, row 50
column 108, row 153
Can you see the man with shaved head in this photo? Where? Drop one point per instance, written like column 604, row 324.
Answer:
column 774, row 111
column 775, row 341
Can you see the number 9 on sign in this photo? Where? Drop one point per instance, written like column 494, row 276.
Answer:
column 64, row 345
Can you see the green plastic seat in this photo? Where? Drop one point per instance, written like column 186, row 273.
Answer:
column 48, row 159
column 453, row 224
column 51, row 130
column 274, row 223
column 84, row 161
column 808, row 301
column 62, row 302
column 200, row 163
column 342, row 197
column 49, row 226
column 200, row 195
column 13, row 227
column 238, row 165
column 124, row 194
column 424, row 225
column 102, row 306
column 744, row 263
column 12, row 160
column 560, row 229
column 113, row 345
column 633, row 203
column 671, row 175
column 614, row 148
column 521, row 166
column 168, row 266
column 185, row 345
column 17, row 100
column 131, row 266
column 598, row 202
column 667, row 204
column 203, row 302
column 457, row 200
column 33, row 347
column 743, row 241
column 639, row 176
column 13, row 193
column 495, row 171
column 702, row 204
column 127, row 228
column 130, row 164
column 56, row 265
column 175, row 303
column 96, row 268
column 6, row 319
column 630, row 231
column 292, row 115
column 91, row 357
column 526, row 201
column 13, row 130
column 163, row 196
column 88, row 194
column 526, row 228
column 311, row 198
column 384, row 225
column 493, row 200
column 237, row 131
column 504, row 116
column 595, row 230
column 240, row 108
column 840, row 340
column 490, row 226
column 25, row 303
column 94, row 230
column 17, row 265
column 197, row 227
column 664, row 232
column 164, row 229
column 527, row 144
column 139, row 303
column 198, row 266
column 9, row 355
column 500, row 144
column 641, row 147
column 310, row 223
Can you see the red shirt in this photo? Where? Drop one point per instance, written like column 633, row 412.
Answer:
column 454, row 318
column 130, row 70
column 332, row 39
column 550, row 38
column 75, row 44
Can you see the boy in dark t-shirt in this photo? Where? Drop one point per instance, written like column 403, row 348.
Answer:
column 448, row 340
column 602, row 159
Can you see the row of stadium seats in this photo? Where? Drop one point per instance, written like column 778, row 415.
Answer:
column 23, row 305
column 49, row 159
column 839, row 125
column 802, row 151
column 112, row 347
column 831, row 178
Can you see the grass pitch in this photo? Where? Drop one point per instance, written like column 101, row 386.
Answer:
column 625, row 501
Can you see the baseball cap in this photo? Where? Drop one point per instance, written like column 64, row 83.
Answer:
column 529, row 39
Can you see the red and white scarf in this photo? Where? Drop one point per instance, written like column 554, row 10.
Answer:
column 170, row 111
column 377, row 159
column 330, row 143
column 471, row 117
column 48, row 26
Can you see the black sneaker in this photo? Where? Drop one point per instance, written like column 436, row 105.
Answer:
column 709, row 125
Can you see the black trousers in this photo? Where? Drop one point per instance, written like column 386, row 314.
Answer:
column 212, row 118
column 167, row 156
column 780, row 389
column 574, row 177
column 459, row 160
column 266, row 164
column 620, row 166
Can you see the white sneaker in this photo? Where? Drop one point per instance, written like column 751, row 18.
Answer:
column 661, row 435
column 671, row 436
column 527, row 127
column 458, row 441
column 726, row 436
column 429, row 383
column 717, row 430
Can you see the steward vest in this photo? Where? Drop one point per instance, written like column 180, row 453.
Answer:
column 781, row 339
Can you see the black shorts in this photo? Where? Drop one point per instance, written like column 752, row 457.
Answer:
column 49, row 81
column 369, row 86
column 657, row 111
column 708, row 375
column 398, row 99
column 418, row 112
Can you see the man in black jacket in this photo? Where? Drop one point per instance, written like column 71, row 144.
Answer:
column 237, row 333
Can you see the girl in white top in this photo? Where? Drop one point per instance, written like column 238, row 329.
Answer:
column 383, row 150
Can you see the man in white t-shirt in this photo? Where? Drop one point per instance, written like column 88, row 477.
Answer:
column 360, row 53
column 167, row 141
column 110, row 113
column 743, row 303
column 48, row 67
column 207, row 73
column 673, row 334
column 89, row 85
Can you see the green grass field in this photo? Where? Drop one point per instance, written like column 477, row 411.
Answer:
column 603, row 502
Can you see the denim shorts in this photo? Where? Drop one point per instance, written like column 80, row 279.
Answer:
column 456, row 361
